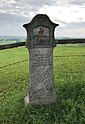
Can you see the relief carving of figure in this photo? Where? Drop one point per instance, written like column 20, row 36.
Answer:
column 40, row 33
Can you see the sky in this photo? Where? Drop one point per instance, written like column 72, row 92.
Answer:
column 69, row 14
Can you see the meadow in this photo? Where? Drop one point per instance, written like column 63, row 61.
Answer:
column 69, row 79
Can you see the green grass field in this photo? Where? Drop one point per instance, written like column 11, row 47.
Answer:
column 69, row 78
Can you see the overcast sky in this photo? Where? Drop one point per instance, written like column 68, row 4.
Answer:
column 69, row 14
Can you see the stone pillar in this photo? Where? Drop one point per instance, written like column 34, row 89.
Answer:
column 41, row 89
column 40, row 43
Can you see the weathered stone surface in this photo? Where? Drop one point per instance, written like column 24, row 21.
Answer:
column 40, row 42
column 41, row 89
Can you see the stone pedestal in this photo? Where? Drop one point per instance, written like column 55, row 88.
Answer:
column 41, row 89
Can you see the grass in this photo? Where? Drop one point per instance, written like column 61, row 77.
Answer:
column 69, row 78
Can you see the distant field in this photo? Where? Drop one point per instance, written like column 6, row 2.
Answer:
column 69, row 78
column 10, row 40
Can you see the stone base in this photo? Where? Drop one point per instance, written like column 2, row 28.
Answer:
column 39, row 102
column 43, row 101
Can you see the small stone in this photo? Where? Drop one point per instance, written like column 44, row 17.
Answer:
column 26, row 100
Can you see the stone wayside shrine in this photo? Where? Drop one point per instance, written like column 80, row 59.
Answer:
column 40, row 43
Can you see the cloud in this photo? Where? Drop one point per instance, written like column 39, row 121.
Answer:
column 65, row 13
column 73, row 25
column 72, row 29
column 38, row 3
column 76, row 25
column 76, row 2
column 24, row 5
column 7, row 18
column 11, row 24
column 55, row 9
column 66, row 32
column 69, row 14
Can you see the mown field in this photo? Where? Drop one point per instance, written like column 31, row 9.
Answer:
column 69, row 78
